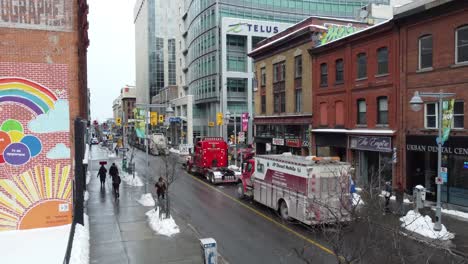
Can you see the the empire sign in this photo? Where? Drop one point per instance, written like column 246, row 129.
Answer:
column 36, row 14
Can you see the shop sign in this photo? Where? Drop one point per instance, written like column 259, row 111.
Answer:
column 278, row 141
column 295, row 143
column 380, row 144
column 445, row 150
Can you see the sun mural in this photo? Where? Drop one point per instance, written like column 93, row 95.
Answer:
column 32, row 197
column 35, row 175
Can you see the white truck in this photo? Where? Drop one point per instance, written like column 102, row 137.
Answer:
column 158, row 144
column 312, row 190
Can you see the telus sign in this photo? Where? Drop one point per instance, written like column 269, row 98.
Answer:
column 239, row 27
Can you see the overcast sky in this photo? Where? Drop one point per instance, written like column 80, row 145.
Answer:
column 111, row 53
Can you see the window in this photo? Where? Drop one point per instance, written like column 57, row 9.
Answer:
column 263, row 76
column 382, row 60
column 279, row 72
column 362, row 65
column 431, row 112
column 323, row 114
column 458, row 115
column 362, row 109
column 382, row 108
column 235, row 85
column 425, row 52
column 323, row 74
column 263, row 103
column 461, row 38
column 339, row 113
column 298, row 100
column 339, row 71
column 298, row 67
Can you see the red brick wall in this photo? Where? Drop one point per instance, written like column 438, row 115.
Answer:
column 445, row 76
column 351, row 89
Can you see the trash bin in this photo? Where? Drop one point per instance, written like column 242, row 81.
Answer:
column 210, row 251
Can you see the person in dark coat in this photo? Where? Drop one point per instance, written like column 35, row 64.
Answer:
column 102, row 175
column 388, row 194
column 113, row 170
column 116, row 184
column 160, row 188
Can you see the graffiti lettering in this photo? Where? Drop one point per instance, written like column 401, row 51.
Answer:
column 336, row 31
column 34, row 13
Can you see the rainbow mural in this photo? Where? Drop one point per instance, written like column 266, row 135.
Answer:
column 35, row 97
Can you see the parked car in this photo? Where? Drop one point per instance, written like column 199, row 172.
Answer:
column 94, row 141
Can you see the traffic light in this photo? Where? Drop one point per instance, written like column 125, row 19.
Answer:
column 161, row 118
column 118, row 121
column 219, row 119
column 154, row 118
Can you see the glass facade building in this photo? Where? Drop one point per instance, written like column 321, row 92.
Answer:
column 217, row 70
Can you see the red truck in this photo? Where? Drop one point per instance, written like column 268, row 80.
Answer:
column 210, row 159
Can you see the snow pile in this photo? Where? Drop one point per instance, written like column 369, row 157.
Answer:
column 357, row 200
column 86, row 156
column 406, row 200
column 88, row 177
column 358, row 189
column 423, row 225
column 86, row 196
column 454, row 213
column 80, row 250
column 38, row 246
column 132, row 181
column 146, row 200
column 162, row 226
column 111, row 155
column 175, row 151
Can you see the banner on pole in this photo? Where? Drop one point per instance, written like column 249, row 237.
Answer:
column 245, row 121
column 140, row 122
column 447, row 117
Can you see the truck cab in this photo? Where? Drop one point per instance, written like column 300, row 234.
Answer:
column 246, row 185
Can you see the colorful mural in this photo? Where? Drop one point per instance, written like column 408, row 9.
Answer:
column 35, row 159
column 335, row 32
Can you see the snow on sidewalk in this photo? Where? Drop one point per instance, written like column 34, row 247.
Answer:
column 80, row 250
column 424, row 226
column 147, row 200
column 38, row 246
column 357, row 200
column 162, row 226
column 127, row 178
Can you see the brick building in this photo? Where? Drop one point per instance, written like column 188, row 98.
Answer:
column 354, row 101
column 283, row 111
column 43, row 88
column 434, row 57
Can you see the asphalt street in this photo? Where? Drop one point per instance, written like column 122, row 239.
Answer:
column 246, row 232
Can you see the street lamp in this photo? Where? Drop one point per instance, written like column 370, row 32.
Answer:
column 416, row 104
column 228, row 118
column 147, row 108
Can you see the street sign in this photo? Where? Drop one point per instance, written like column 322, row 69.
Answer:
column 439, row 180
column 241, row 137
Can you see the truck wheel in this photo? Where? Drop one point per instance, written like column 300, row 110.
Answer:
column 283, row 210
column 212, row 179
column 240, row 191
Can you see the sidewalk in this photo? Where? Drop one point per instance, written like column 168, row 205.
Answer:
column 455, row 225
column 120, row 233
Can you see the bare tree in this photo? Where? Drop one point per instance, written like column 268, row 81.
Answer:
column 169, row 174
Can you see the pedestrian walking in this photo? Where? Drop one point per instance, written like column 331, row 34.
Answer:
column 160, row 188
column 116, row 184
column 116, row 151
column 102, row 175
column 400, row 193
column 387, row 195
column 113, row 170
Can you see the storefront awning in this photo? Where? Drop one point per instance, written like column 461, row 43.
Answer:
column 355, row 131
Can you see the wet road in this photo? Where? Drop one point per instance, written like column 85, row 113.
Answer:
column 246, row 232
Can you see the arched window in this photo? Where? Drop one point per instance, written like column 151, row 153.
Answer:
column 361, row 65
column 382, row 60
